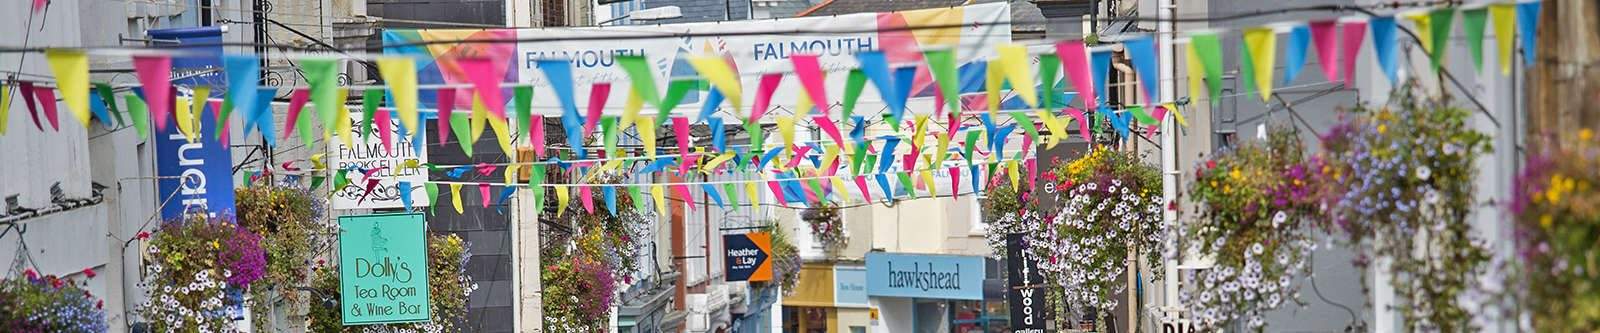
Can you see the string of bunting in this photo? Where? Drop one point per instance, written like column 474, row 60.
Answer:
column 157, row 102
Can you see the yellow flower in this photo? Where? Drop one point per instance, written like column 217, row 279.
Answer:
column 1235, row 174
column 1585, row 134
column 1546, row 220
column 216, row 245
column 1382, row 128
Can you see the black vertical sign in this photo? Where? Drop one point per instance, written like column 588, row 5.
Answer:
column 1025, row 288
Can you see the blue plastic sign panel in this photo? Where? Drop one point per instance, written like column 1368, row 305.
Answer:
column 925, row 276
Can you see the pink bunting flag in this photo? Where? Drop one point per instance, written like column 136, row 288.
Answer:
column 909, row 161
column 481, row 72
column 955, row 183
column 777, row 191
column 216, row 113
column 38, row 5
column 683, row 192
column 598, row 93
column 688, row 161
column 486, row 169
column 28, row 98
column 483, row 193
column 445, row 99
column 1161, row 115
column 769, row 83
column 799, row 155
column 381, row 118
column 536, row 135
column 809, row 71
column 1083, row 123
column 938, row 102
column 47, row 99
column 154, row 73
column 1033, row 172
column 297, row 102
column 1354, row 32
column 1074, row 57
column 587, row 199
column 954, row 122
column 1322, row 37
column 861, row 184
column 827, row 126
column 680, row 129
column 372, row 184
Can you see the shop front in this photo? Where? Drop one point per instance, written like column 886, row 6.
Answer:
column 829, row 298
column 934, row 293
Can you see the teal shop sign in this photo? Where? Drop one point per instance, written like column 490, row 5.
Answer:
column 383, row 268
column 924, row 276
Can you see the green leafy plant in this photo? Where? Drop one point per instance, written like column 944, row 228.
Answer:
column 1557, row 207
column 785, row 259
column 449, row 286
column 1255, row 205
column 1401, row 188
column 292, row 224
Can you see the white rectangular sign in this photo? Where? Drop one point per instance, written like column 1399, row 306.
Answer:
column 386, row 166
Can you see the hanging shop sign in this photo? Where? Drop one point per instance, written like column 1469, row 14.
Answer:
column 748, row 256
column 1050, row 194
column 378, row 169
column 198, row 175
column 850, row 286
column 1025, row 288
column 925, row 276
column 383, row 269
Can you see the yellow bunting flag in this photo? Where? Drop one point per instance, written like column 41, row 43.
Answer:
column 722, row 76
column 786, row 131
column 1424, row 29
column 830, row 152
column 838, row 187
column 72, row 79
column 562, row 196
column 185, row 117
column 400, row 73
column 920, row 130
column 455, row 198
column 511, row 174
column 751, row 193
column 803, row 105
column 630, row 111
column 712, row 165
column 1058, row 131
column 927, row 180
column 660, row 196
column 317, row 164
column 943, row 152
column 502, row 132
column 1504, row 17
column 1197, row 73
column 5, row 107
column 1014, row 62
column 341, row 118
column 1011, row 172
column 1173, row 109
column 647, row 135
column 1263, row 46
column 480, row 117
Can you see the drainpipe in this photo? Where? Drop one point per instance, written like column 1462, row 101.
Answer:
column 1166, row 10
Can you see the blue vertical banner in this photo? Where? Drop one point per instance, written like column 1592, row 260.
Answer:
column 196, row 176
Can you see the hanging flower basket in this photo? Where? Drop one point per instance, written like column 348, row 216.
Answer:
column 826, row 226
column 1256, row 203
column 192, row 271
column 449, row 286
column 1557, row 207
column 36, row 303
column 1112, row 213
column 1401, row 189
column 293, row 228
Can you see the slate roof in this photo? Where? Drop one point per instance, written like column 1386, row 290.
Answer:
column 1024, row 14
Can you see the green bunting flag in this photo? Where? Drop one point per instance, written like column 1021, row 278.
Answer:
column 433, row 195
column 536, row 185
column 942, row 63
column 640, row 205
column 905, row 182
column 139, row 112
column 1439, row 22
column 459, row 125
column 370, row 99
column 1028, row 127
column 111, row 101
column 733, row 194
column 323, row 77
column 523, row 97
column 1472, row 20
column 1049, row 65
column 644, row 83
column 1209, row 49
column 852, row 91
